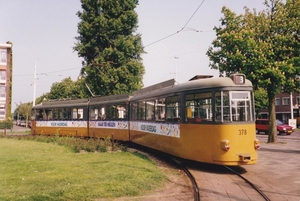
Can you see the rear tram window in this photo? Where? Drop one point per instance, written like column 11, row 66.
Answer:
column 199, row 107
column 173, row 108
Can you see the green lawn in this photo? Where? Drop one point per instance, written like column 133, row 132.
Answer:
column 32, row 170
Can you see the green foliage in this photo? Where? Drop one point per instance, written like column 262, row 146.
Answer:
column 23, row 112
column 67, row 88
column 264, row 46
column 110, row 49
column 6, row 124
column 76, row 145
column 261, row 100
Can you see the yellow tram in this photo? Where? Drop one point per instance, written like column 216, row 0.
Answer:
column 208, row 120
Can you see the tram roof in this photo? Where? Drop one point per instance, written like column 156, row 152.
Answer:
column 193, row 84
column 109, row 99
column 62, row 103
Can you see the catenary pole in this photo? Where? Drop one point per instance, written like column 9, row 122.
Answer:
column 34, row 85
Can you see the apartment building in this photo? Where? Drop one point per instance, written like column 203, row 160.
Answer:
column 5, row 80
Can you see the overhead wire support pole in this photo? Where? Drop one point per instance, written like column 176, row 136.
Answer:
column 34, row 85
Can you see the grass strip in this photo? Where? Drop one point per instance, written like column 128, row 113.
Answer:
column 32, row 170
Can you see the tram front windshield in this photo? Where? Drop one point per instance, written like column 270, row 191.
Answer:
column 232, row 106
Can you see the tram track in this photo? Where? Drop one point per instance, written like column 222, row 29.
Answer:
column 250, row 183
column 221, row 176
column 219, row 181
column 191, row 177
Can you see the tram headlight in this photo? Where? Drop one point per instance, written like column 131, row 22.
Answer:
column 256, row 144
column 225, row 145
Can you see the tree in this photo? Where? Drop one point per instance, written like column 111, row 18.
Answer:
column 261, row 100
column 23, row 111
column 67, row 88
column 110, row 49
column 264, row 46
column 41, row 98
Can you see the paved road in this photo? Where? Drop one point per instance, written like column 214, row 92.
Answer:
column 16, row 129
column 278, row 169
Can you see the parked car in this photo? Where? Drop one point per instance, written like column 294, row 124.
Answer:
column 262, row 125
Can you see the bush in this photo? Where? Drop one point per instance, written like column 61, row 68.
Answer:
column 75, row 144
column 6, row 124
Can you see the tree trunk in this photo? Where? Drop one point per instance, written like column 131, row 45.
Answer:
column 272, row 131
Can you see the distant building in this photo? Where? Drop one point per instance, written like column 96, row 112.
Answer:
column 283, row 106
column 5, row 80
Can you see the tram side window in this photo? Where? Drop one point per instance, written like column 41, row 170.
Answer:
column 57, row 114
column 134, row 111
column 101, row 113
column 160, row 109
column 173, row 108
column 141, row 110
column 49, row 114
column 150, row 110
column 199, row 107
column 122, row 112
column 222, row 106
column 77, row 113
column 66, row 114
column 39, row 115
column 80, row 113
column 74, row 113
column 93, row 113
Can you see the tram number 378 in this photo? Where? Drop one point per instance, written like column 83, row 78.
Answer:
column 242, row 132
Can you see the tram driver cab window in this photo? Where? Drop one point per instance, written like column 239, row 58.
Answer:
column 234, row 106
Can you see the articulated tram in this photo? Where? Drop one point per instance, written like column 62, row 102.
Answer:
column 206, row 119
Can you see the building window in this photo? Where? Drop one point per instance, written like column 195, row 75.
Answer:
column 298, row 100
column 277, row 101
column 285, row 101
column 3, row 75
column 2, row 92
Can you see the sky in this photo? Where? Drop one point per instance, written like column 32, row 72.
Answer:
column 176, row 35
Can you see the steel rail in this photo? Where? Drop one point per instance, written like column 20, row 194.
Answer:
column 250, row 183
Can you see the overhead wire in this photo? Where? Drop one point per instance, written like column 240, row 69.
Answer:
column 182, row 29
column 46, row 73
